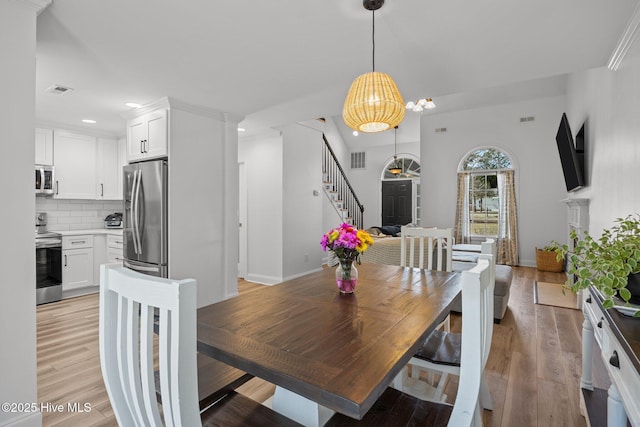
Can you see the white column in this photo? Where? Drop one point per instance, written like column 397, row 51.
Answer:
column 616, row 416
column 17, row 256
column 586, row 381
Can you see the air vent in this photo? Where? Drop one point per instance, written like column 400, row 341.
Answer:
column 59, row 90
column 358, row 160
column 527, row 119
column 441, row 130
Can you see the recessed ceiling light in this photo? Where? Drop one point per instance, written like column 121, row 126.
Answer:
column 241, row 129
column 132, row 105
column 90, row 121
column 355, row 133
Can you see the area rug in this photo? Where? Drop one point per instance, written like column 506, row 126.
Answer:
column 546, row 293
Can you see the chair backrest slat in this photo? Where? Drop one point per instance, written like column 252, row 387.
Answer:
column 477, row 294
column 128, row 302
column 434, row 239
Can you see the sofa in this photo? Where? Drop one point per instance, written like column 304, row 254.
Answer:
column 504, row 275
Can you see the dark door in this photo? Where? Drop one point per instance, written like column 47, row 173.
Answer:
column 396, row 202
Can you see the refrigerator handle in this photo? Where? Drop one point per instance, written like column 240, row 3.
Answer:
column 138, row 212
column 134, row 211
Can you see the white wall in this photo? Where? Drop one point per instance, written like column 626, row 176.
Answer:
column 284, row 216
column 609, row 102
column 532, row 146
column 302, row 200
column 263, row 160
column 203, row 200
column 366, row 182
column 17, row 254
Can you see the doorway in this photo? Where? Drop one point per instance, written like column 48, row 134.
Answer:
column 242, row 218
column 397, row 206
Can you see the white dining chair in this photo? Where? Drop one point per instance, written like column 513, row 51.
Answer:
column 441, row 351
column 434, row 241
column 431, row 240
column 398, row 409
column 128, row 302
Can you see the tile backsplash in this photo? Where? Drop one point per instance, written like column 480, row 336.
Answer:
column 66, row 215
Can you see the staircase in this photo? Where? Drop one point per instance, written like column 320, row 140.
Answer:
column 338, row 189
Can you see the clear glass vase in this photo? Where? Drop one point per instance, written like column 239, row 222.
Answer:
column 346, row 276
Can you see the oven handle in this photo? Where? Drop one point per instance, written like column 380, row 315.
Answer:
column 49, row 245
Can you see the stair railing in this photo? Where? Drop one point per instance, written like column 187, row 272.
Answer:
column 334, row 173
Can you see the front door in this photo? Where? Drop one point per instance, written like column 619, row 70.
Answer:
column 396, row 202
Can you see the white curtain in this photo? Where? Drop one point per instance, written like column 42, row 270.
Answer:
column 507, row 220
column 461, row 227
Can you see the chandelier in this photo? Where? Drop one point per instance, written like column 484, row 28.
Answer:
column 373, row 103
column 421, row 104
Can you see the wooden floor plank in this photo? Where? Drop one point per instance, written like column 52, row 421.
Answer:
column 69, row 364
column 548, row 356
column 553, row 404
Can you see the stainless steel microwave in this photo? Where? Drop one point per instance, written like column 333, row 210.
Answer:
column 44, row 180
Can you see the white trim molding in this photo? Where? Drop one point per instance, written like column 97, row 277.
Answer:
column 36, row 5
column 625, row 42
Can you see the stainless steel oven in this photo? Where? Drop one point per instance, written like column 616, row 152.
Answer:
column 48, row 263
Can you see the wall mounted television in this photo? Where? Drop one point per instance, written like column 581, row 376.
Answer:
column 571, row 155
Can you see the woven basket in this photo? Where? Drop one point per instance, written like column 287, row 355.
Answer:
column 546, row 261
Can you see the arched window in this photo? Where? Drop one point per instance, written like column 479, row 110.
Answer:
column 410, row 169
column 486, row 201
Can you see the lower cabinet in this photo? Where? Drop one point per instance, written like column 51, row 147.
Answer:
column 77, row 262
column 114, row 249
column 81, row 259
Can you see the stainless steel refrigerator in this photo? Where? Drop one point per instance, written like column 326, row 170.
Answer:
column 145, row 217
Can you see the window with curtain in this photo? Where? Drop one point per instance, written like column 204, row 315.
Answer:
column 486, row 202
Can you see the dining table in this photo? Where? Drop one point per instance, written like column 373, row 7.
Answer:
column 327, row 351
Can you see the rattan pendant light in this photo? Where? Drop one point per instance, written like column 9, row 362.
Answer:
column 373, row 103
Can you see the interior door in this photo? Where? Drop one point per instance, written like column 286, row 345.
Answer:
column 396, row 202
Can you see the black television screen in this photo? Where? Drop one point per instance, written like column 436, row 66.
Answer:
column 572, row 162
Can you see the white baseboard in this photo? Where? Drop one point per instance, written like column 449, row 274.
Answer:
column 272, row 280
column 263, row 280
column 31, row 419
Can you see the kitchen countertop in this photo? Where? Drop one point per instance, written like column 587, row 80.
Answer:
column 112, row 231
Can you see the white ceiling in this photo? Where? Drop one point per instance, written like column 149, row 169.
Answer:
column 286, row 61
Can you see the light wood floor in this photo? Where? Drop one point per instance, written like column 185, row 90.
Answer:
column 533, row 369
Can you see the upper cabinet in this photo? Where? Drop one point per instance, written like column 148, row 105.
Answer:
column 109, row 170
column 87, row 167
column 147, row 136
column 75, row 165
column 44, row 147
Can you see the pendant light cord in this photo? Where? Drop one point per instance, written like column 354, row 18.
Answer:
column 373, row 40
column 395, row 143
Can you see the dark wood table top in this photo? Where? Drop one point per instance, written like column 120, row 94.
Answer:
column 338, row 350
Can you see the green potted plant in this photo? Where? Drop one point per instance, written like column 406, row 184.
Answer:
column 547, row 260
column 610, row 263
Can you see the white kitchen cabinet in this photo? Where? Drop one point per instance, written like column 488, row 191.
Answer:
column 44, row 147
column 75, row 163
column 147, row 136
column 109, row 170
column 77, row 262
